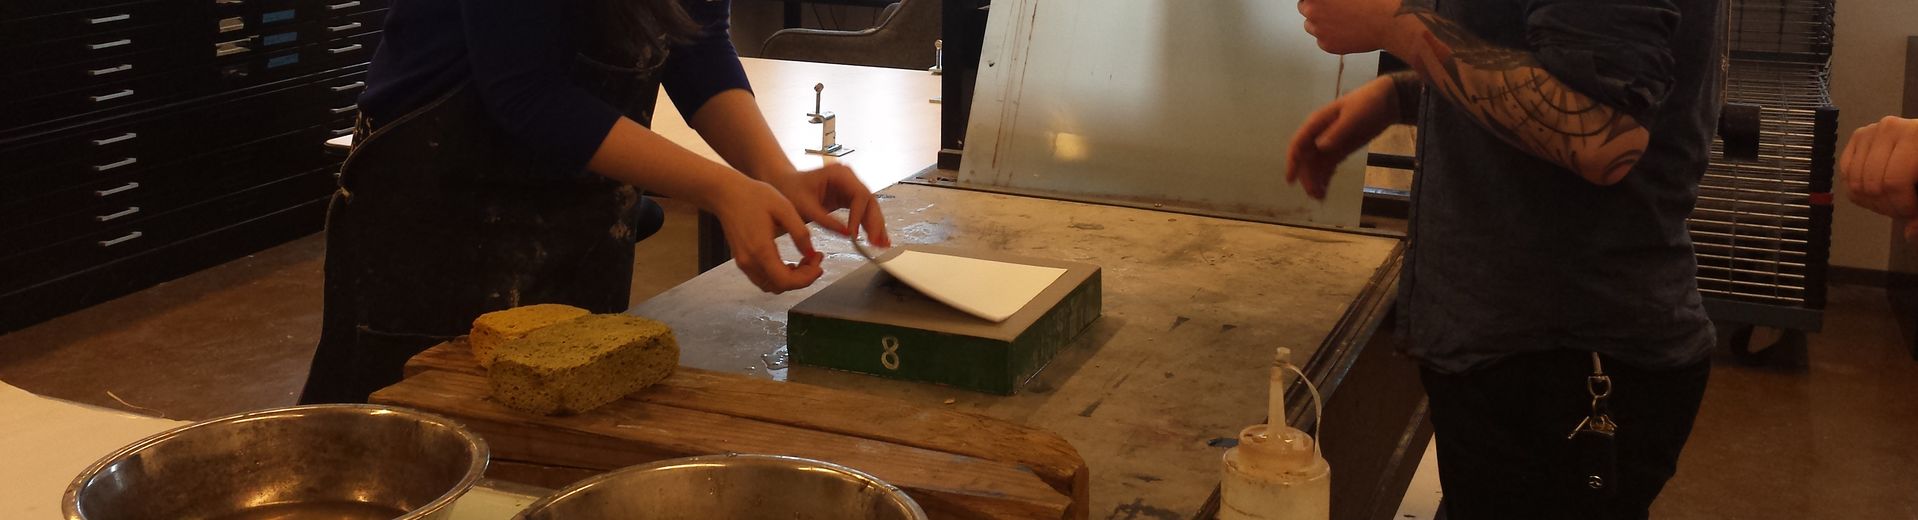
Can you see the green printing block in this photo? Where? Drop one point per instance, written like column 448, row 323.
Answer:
column 870, row 323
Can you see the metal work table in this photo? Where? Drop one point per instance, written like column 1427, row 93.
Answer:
column 1194, row 307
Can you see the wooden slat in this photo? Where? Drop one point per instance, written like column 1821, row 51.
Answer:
column 846, row 413
column 452, row 356
column 1046, row 454
column 633, row 431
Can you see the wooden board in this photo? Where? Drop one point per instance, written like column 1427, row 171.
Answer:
column 958, row 465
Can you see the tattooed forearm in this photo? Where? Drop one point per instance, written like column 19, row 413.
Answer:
column 1512, row 95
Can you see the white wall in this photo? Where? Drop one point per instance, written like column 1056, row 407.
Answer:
column 1868, row 74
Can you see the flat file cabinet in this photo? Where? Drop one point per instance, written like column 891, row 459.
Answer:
column 143, row 140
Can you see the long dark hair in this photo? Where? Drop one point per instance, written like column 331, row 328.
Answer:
column 639, row 29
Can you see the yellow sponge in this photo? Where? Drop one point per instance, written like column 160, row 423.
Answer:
column 575, row 366
column 498, row 327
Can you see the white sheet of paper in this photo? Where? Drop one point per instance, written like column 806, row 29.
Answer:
column 985, row 288
column 47, row 442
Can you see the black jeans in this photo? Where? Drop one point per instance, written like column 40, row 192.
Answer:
column 1501, row 433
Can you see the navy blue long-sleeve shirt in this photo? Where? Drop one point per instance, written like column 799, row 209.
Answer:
column 518, row 54
column 1511, row 253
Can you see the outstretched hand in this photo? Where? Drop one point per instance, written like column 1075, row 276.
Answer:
column 1336, row 131
column 752, row 214
column 1880, row 169
column 1350, row 26
column 816, row 194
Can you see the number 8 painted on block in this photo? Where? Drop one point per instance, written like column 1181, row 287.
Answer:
column 889, row 358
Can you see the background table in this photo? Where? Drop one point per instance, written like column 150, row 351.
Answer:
column 885, row 115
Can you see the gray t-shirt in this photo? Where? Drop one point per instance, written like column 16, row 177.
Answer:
column 1510, row 253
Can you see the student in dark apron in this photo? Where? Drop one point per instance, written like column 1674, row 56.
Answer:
column 501, row 158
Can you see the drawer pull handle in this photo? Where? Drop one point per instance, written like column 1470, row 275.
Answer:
column 344, row 109
column 349, row 86
column 346, row 49
column 342, row 5
column 342, row 131
column 231, row 48
column 231, row 24
column 122, row 239
column 116, row 191
column 229, row 2
column 109, row 70
column 110, row 97
column 115, row 139
column 116, row 164
column 347, row 27
column 108, row 45
column 116, row 216
column 110, row 19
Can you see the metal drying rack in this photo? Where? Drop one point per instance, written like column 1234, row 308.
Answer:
column 1762, row 225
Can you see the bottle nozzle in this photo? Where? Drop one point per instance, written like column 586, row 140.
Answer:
column 1275, row 411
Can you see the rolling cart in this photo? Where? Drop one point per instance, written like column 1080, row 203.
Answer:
column 1762, row 227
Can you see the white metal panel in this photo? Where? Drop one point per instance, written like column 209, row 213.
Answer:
column 1187, row 103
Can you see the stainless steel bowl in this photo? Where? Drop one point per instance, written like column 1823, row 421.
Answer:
column 729, row 487
column 324, row 461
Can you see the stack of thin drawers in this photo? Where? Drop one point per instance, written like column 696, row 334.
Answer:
column 141, row 140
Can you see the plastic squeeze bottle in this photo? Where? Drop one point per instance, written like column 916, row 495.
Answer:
column 1276, row 471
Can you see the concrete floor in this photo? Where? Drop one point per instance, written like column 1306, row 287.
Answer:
column 1831, row 441
column 236, row 337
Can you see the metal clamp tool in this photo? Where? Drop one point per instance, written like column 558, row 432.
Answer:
column 828, row 126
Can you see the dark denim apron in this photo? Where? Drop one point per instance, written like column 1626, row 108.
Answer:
column 441, row 216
